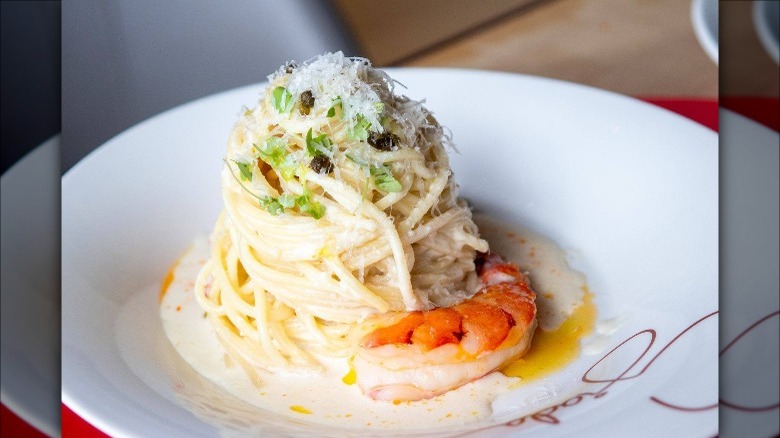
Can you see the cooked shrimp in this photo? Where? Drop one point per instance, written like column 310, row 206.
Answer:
column 411, row 356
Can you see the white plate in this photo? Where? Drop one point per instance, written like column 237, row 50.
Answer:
column 750, row 286
column 766, row 19
column 704, row 15
column 630, row 189
column 29, row 340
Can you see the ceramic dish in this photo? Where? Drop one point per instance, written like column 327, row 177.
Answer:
column 704, row 16
column 766, row 19
column 30, row 288
column 628, row 189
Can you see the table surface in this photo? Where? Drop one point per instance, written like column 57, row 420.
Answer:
column 633, row 47
column 746, row 69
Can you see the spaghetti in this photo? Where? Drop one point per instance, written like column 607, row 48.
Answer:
column 339, row 203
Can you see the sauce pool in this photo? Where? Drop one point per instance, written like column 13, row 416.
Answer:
column 554, row 349
column 567, row 315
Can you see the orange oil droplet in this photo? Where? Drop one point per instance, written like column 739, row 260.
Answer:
column 166, row 283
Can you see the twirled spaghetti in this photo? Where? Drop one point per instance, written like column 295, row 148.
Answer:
column 338, row 203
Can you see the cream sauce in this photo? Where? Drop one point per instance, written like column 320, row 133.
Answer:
column 331, row 397
column 559, row 288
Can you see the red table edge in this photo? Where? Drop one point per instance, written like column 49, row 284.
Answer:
column 764, row 110
column 13, row 426
column 701, row 110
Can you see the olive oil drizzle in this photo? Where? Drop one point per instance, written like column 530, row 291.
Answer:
column 552, row 350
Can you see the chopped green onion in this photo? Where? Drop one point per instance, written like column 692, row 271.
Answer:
column 246, row 171
column 383, row 176
column 282, row 100
column 319, row 145
column 310, row 207
column 288, row 168
column 359, row 131
column 384, row 179
column 287, row 200
column 271, row 205
column 305, row 204
column 332, row 109
column 273, row 151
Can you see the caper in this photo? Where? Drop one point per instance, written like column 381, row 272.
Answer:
column 307, row 102
column 321, row 164
column 384, row 142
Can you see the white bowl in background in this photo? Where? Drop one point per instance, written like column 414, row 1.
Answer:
column 704, row 16
column 766, row 19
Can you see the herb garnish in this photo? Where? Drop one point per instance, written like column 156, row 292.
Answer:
column 306, row 205
column 384, row 179
column 359, row 131
column 273, row 151
column 319, row 145
column 309, row 206
column 271, row 205
column 246, row 172
column 282, row 100
column 287, row 200
column 332, row 110
column 383, row 176
column 277, row 206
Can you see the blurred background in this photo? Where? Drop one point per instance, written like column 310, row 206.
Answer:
column 123, row 61
column 126, row 60
column 30, row 78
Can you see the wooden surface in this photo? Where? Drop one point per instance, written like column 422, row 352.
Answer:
column 388, row 31
column 635, row 47
column 746, row 68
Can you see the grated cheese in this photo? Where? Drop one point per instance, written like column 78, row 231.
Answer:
column 363, row 91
